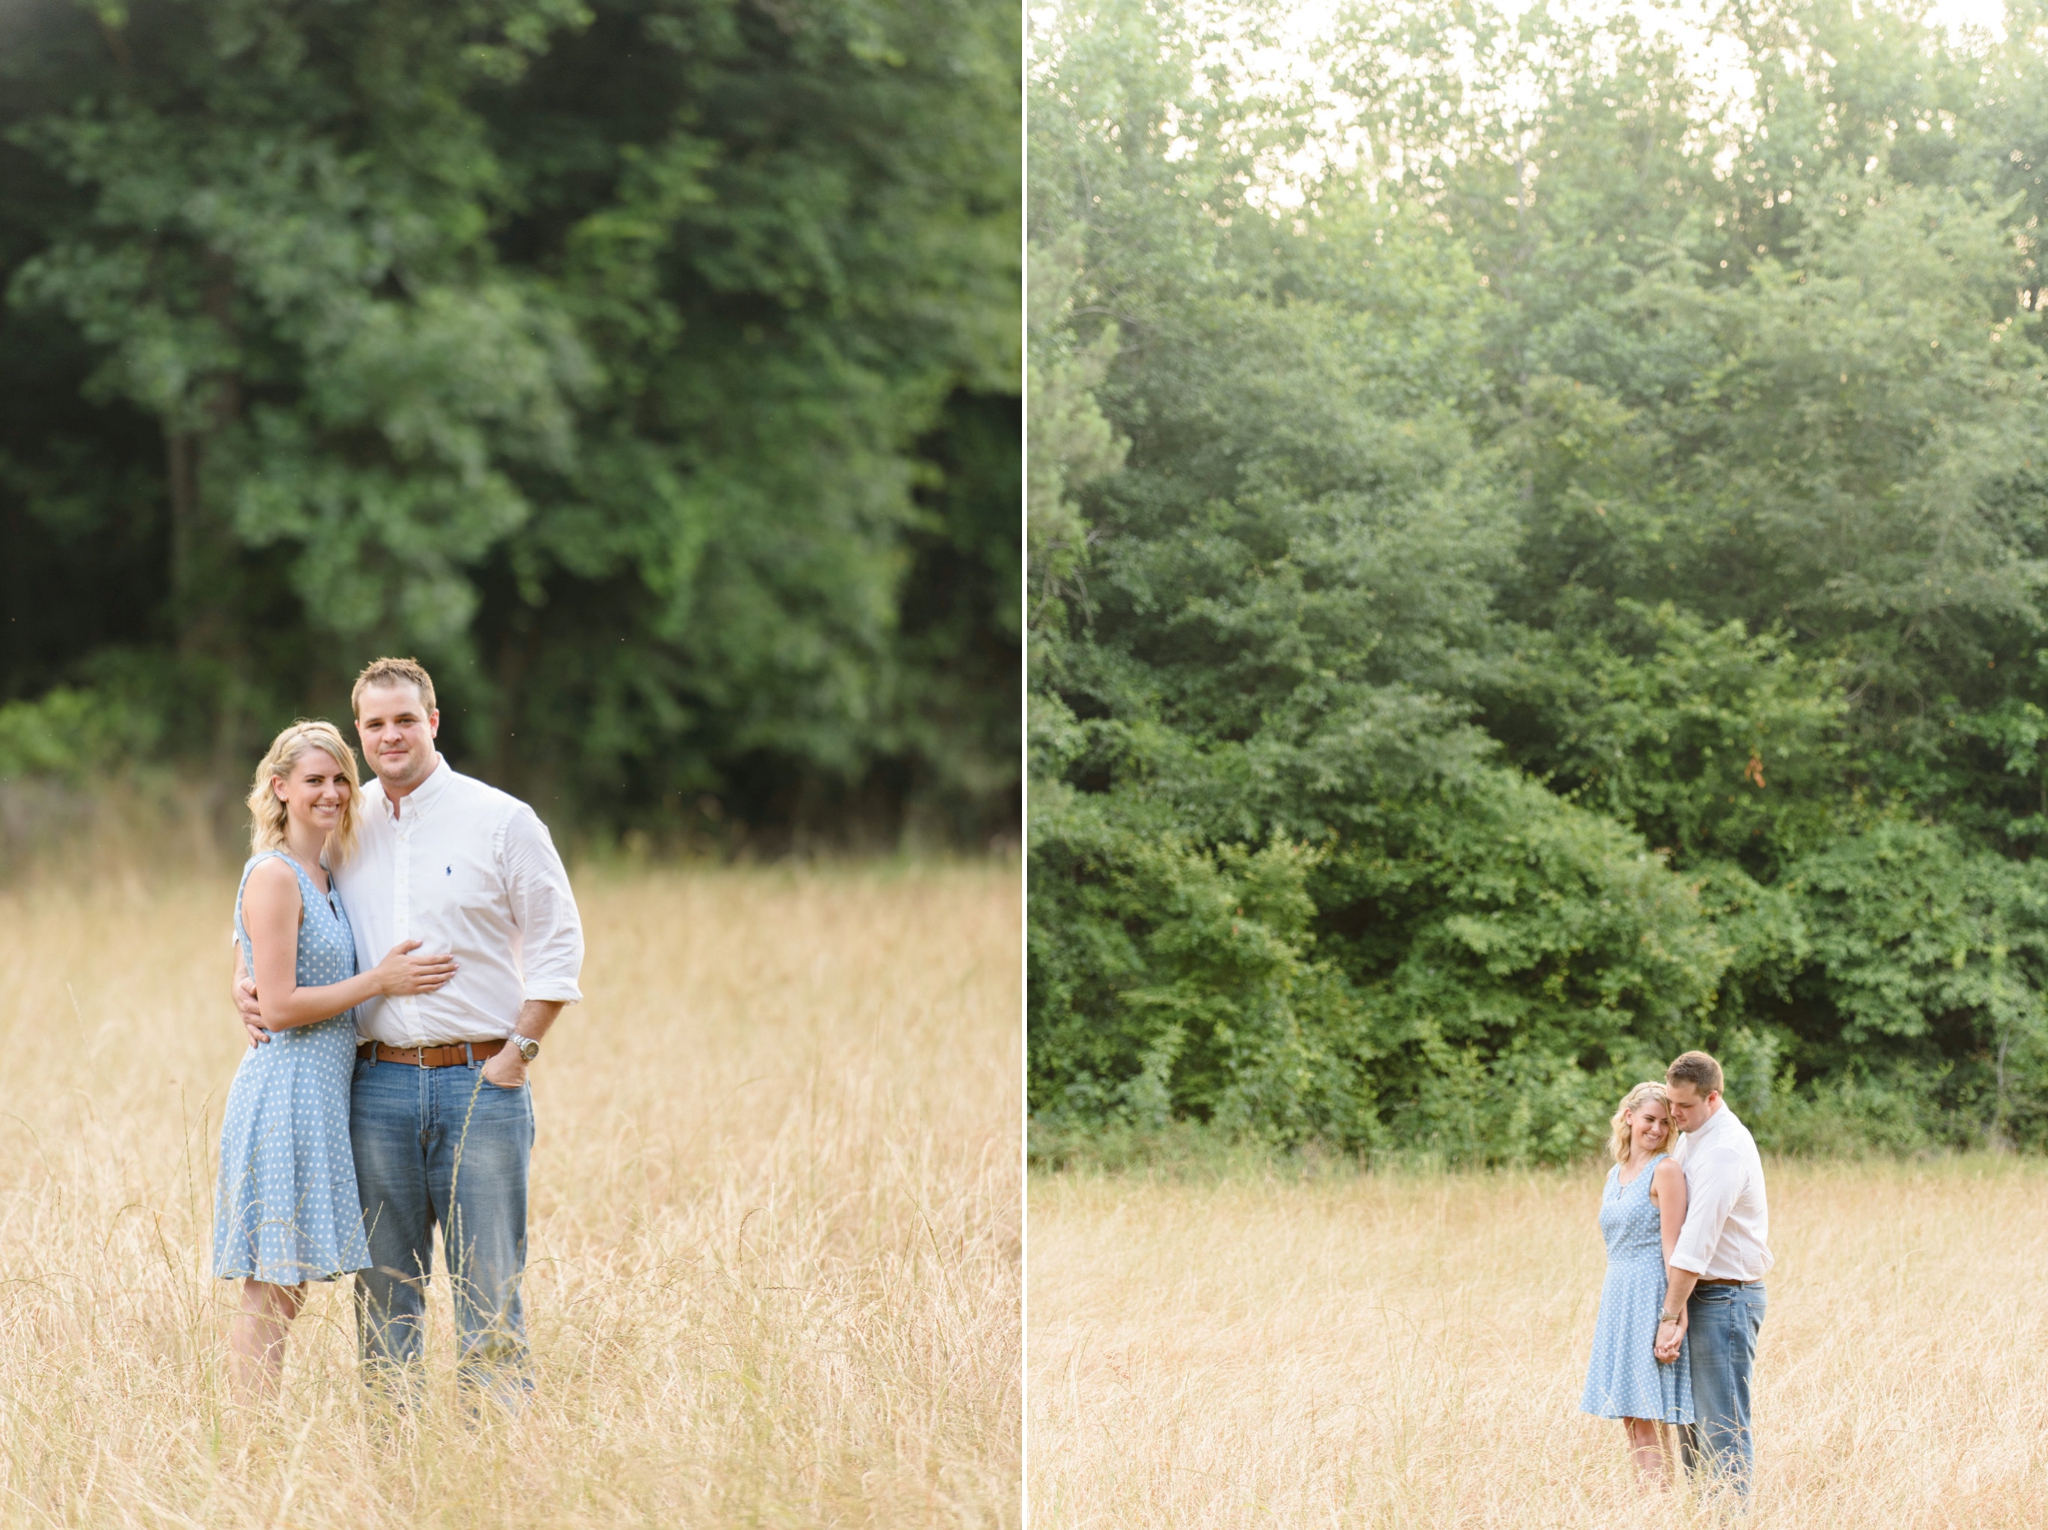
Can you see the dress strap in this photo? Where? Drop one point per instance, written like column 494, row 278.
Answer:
column 257, row 860
column 242, row 930
column 306, row 883
column 308, row 893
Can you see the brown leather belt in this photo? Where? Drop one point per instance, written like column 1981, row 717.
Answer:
column 430, row 1057
column 1703, row 1281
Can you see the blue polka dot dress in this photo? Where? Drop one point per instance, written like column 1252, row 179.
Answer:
column 1625, row 1379
column 286, row 1208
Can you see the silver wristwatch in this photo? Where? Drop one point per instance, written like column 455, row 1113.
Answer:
column 528, row 1047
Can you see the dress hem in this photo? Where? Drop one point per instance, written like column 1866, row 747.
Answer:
column 1596, row 1413
column 354, row 1269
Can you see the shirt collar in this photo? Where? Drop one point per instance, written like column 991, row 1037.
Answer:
column 1713, row 1124
column 425, row 794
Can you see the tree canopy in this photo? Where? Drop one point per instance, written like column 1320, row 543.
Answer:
column 650, row 370
column 1537, row 561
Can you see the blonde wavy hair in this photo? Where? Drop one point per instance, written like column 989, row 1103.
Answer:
column 1617, row 1142
column 267, row 812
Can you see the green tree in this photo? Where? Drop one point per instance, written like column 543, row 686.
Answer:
column 1581, row 539
column 651, row 370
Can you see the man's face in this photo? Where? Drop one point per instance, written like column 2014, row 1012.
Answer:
column 1689, row 1108
column 397, row 732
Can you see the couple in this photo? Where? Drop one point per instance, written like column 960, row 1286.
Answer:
column 1686, row 1230
column 381, row 1097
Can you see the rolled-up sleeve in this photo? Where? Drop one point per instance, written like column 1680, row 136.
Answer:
column 1711, row 1186
column 544, row 909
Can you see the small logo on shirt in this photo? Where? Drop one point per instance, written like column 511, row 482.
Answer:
column 451, row 871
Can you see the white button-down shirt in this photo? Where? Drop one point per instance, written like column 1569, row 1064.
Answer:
column 467, row 869
column 1726, row 1235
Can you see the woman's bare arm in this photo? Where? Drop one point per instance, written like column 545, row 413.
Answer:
column 1667, row 1189
column 1671, row 1193
column 271, row 910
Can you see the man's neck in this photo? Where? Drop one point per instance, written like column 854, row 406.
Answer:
column 396, row 795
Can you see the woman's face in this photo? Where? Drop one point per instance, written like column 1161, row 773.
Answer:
column 314, row 791
column 1650, row 1125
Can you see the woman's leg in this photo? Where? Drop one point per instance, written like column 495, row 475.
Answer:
column 256, row 1338
column 1646, row 1445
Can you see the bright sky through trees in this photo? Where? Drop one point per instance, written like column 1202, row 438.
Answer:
column 1288, row 48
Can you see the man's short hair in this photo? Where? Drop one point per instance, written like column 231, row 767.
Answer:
column 1696, row 1069
column 392, row 672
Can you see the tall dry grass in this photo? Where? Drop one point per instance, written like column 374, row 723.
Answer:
column 1409, row 1351
column 774, row 1273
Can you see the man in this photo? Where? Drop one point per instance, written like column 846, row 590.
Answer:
column 1717, row 1270
column 440, row 1116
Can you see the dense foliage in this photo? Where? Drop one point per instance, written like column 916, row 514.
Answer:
column 1537, row 561
column 650, row 369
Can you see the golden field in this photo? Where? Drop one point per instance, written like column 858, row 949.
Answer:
column 1408, row 1351
column 774, row 1269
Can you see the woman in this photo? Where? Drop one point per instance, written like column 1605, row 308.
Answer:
column 285, row 1211
column 1641, row 1211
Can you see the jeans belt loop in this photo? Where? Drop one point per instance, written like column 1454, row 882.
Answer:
column 468, row 1057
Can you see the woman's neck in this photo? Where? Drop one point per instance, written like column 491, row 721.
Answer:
column 304, row 843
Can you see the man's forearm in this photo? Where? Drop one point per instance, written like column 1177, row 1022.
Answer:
column 1679, row 1290
column 535, row 1016
column 508, row 1068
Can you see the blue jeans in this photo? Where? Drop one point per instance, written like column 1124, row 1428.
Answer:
column 442, row 1145
column 1722, row 1324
